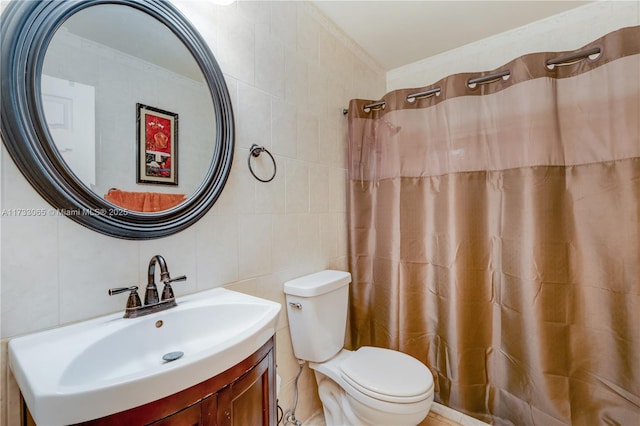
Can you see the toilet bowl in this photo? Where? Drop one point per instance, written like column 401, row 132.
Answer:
column 374, row 386
column 368, row 386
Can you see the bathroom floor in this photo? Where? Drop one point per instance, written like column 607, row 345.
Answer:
column 439, row 415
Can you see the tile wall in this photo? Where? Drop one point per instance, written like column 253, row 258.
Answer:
column 290, row 72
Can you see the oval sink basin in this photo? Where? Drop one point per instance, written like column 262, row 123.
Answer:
column 110, row 364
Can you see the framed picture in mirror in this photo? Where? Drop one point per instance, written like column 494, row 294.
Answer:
column 157, row 143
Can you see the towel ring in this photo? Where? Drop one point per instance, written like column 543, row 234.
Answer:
column 255, row 151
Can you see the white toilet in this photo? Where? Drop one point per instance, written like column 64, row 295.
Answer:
column 369, row 386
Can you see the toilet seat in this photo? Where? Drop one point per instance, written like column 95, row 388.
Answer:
column 387, row 375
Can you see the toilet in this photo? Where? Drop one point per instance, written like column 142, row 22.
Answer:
column 369, row 386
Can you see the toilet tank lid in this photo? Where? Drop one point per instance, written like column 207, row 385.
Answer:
column 317, row 284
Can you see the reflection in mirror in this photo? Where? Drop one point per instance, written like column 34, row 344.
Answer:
column 101, row 63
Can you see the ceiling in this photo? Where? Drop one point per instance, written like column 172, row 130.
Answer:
column 397, row 33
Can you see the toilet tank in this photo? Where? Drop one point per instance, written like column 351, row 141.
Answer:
column 317, row 307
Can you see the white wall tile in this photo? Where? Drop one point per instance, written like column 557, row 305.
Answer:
column 308, row 35
column 30, row 280
column 283, row 13
column 254, row 245
column 297, row 186
column 284, row 128
column 253, row 117
column 216, row 251
column 89, row 265
column 17, row 193
column 309, row 243
column 319, row 189
column 270, row 287
column 238, row 195
column 329, row 235
column 318, row 90
column 340, row 219
column 342, row 147
column 329, row 52
column 338, row 181
column 258, row 12
column 328, row 140
column 236, row 45
column 270, row 196
column 249, row 286
column 295, row 76
column 270, row 64
column 284, row 252
column 287, row 364
column 308, row 132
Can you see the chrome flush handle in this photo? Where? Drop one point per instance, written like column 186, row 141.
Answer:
column 295, row 305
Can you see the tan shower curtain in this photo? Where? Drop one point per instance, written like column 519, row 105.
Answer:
column 495, row 236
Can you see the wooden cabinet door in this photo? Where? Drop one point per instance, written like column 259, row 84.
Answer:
column 248, row 400
column 210, row 410
column 191, row 416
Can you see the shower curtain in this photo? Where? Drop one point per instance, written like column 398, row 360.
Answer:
column 495, row 235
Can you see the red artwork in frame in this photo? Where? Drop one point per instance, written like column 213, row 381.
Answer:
column 157, row 146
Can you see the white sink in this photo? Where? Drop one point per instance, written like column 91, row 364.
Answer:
column 106, row 365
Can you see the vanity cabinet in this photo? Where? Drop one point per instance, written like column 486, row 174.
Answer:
column 243, row 395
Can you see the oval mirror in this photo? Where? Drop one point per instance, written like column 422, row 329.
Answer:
column 124, row 123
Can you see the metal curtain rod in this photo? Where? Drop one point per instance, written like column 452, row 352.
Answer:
column 410, row 98
column 488, row 78
column 431, row 92
column 573, row 57
column 375, row 105
column 425, row 94
column 568, row 59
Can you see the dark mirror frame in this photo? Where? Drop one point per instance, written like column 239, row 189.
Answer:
column 27, row 29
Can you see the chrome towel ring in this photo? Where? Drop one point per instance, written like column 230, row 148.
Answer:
column 255, row 151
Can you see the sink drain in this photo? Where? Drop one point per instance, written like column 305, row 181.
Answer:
column 172, row 356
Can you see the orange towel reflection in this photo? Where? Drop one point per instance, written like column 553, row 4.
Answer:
column 144, row 201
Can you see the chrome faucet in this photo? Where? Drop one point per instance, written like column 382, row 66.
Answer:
column 151, row 301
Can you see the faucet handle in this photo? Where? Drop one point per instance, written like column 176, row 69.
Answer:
column 119, row 290
column 167, row 291
column 172, row 280
column 133, row 301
